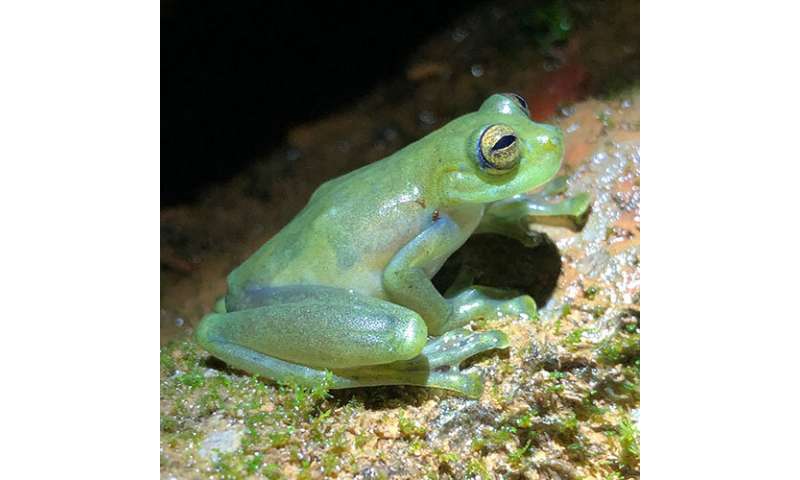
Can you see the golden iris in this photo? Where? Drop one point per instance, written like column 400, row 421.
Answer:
column 499, row 149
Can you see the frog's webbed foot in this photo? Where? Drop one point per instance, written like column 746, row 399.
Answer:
column 438, row 363
column 445, row 354
column 511, row 217
column 455, row 346
column 575, row 210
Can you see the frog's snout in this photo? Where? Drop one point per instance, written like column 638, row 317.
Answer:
column 549, row 139
column 555, row 136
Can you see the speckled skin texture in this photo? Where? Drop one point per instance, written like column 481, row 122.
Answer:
column 343, row 293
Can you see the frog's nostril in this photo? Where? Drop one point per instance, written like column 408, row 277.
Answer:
column 555, row 136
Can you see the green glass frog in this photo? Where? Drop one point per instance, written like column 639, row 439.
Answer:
column 343, row 293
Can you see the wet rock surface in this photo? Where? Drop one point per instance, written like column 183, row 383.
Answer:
column 561, row 402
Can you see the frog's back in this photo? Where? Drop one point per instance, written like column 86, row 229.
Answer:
column 350, row 229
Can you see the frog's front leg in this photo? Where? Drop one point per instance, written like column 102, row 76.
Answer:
column 407, row 281
column 511, row 217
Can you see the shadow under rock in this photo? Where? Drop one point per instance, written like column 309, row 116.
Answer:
column 501, row 262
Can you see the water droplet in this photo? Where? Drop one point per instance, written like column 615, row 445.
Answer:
column 390, row 134
column 476, row 70
column 427, row 117
column 459, row 34
column 293, row 154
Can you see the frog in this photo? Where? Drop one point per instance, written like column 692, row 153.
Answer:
column 342, row 296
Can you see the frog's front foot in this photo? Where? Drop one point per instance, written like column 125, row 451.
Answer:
column 512, row 217
column 575, row 210
column 487, row 304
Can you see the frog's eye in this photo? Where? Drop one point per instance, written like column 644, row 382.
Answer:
column 498, row 149
column 521, row 103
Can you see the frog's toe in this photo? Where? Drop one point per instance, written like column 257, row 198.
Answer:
column 467, row 384
column 454, row 347
column 524, row 305
column 579, row 208
column 574, row 209
column 470, row 384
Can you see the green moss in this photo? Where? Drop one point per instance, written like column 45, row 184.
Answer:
column 168, row 424
column 415, row 446
column 234, row 466
column 502, row 435
column 629, row 443
column 338, row 441
column 445, row 457
column 305, row 470
column 361, row 440
column 254, row 464
column 330, row 462
column 280, row 438
column 588, row 408
column 272, row 471
column 574, row 338
column 568, row 426
column 409, row 428
column 494, row 438
column 554, row 382
column 566, row 309
column 300, row 402
column 577, row 450
column 184, row 435
column 167, row 363
column 622, row 347
column 516, row 456
column 526, row 419
column 192, row 379
column 475, row 467
column 590, row 292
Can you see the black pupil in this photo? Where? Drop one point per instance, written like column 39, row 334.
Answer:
column 504, row 142
column 521, row 101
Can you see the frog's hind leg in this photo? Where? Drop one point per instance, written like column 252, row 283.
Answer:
column 297, row 334
column 312, row 326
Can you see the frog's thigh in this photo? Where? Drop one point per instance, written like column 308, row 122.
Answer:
column 302, row 330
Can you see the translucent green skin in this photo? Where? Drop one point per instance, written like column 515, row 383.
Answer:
column 343, row 293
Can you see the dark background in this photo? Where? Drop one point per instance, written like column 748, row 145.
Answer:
column 236, row 75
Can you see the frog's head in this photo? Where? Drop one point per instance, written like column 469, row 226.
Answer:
column 497, row 152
